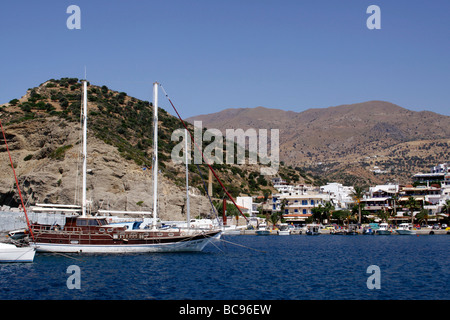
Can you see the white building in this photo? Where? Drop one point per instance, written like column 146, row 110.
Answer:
column 380, row 197
column 297, row 205
column 247, row 203
column 340, row 196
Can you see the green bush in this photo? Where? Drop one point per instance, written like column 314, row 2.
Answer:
column 60, row 152
column 14, row 102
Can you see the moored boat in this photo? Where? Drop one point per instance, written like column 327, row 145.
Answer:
column 91, row 234
column 284, row 230
column 313, row 230
column 95, row 235
column 405, row 229
column 12, row 253
column 383, row 229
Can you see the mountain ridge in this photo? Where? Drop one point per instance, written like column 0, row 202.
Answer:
column 344, row 136
column 44, row 133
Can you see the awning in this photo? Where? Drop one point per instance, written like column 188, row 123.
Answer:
column 415, row 198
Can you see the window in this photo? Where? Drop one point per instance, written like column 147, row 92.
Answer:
column 93, row 222
column 304, row 202
column 304, row 211
column 81, row 222
column 312, row 202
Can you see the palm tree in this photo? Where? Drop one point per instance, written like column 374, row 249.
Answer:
column 346, row 215
column 274, row 218
column 412, row 204
column 327, row 210
column 446, row 207
column 423, row 215
column 357, row 195
column 394, row 197
column 383, row 215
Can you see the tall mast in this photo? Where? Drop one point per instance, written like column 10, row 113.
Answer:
column 155, row 154
column 84, row 146
column 188, row 211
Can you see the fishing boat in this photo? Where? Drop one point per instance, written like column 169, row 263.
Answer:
column 405, row 229
column 313, row 230
column 383, row 229
column 92, row 234
column 351, row 230
column 284, row 230
column 12, row 253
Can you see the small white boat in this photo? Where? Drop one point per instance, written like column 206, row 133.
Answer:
column 384, row 229
column 18, row 234
column 405, row 229
column 11, row 253
column 231, row 230
column 284, row 231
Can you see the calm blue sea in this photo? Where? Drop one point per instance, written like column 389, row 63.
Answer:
column 276, row 267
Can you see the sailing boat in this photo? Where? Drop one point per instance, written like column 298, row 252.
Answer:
column 92, row 234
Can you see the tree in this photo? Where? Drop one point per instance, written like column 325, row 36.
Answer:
column 284, row 203
column 14, row 102
column 357, row 195
column 395, row 198
column 274, row 218
column 336, row 215
column 317, row 213
column 422, row 216
column 327, row 211
column 446, row 207
column 383, row 215
column 412, row 204
column 344, row 215
column 104, row 89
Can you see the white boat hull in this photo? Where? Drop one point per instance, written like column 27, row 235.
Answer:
column 11, row 253
column 406, row 232
column 284, row 232
column 232, row 232
column 183, row 246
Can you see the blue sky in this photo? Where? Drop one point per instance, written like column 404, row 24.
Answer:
column 215, row 54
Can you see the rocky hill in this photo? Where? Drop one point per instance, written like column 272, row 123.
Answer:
column 346, row 142
column 44, row 134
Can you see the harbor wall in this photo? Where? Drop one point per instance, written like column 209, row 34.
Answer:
column 10, row 220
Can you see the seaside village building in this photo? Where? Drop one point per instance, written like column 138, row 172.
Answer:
column 380, row 197
column 296, row 202
column 431, row 190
